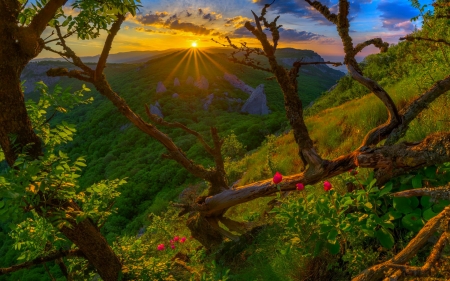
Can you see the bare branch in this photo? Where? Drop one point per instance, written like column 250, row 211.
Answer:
column 377, row 272
column 377, row 42
column 434, row 192
column 419, row 38
column 161, row 121
column 107, row 46
column 409, row 113
column 41, row 260
column 323, row 10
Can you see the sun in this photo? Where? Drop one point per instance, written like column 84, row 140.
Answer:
column 194, row 44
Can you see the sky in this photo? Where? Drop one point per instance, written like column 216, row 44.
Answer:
column 165, row 24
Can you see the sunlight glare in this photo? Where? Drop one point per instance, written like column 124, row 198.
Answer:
column 194, row 44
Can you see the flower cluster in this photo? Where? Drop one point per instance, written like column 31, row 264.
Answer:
column 277, row 178
column 176, row 239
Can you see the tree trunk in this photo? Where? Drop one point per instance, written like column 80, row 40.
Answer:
column 14, row 121
column 17, row 48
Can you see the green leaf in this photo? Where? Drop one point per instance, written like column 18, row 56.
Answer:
column 425, row 201
column 412, row 222
column 334, row 248
column 430, row 172
column 428, row 214
column 386, row 189
column 439, row 207
column 368, row 205
column 2, row 204
column 332, row 236
column 385, row 237
column 417, row 181
column 403, row 205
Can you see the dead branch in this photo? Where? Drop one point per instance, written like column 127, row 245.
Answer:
column 411, row 38
column 377, row 272
column 41, row 260
column 435, row 192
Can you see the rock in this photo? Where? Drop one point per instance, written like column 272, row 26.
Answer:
column 202, row 83
column 332, row 88
column 175, row 95
column 176, row 82
column 237, row 83
column 124, row 127
column 208, row 101
column 257, row 102
column 160, row 88
column 156, row 109
column 189, row 80
column 141, row 232
column 226, row 94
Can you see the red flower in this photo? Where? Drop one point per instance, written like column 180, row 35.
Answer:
column 160, row 247
column 300, row 186
column 277, row 178
column 327, row 186
column 182, row 240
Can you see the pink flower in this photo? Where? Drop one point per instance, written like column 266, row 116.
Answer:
column 182, row 240
column 176, row 238
column 277, row 178
column 327, row 186
column 160, row 247
column 172, row 246
column 300, row 186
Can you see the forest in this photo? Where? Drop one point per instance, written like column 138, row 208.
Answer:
column 147, row 167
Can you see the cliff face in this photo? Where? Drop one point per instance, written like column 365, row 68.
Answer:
column 35, row 72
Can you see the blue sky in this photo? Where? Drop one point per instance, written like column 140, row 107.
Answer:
column 163, row 24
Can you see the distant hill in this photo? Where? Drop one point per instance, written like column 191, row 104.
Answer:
column 124, row 57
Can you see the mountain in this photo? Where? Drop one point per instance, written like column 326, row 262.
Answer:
column 123, row 57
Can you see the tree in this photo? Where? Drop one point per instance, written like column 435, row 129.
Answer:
column 388, row 160
column 21, row 28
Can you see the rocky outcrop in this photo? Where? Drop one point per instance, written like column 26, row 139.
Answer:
column 156, row 109
column 176, row 82
column 257, row 102
column 202, row 83
column 160, row 88
column 189, row 80
column 208, row 101
column 237, row 83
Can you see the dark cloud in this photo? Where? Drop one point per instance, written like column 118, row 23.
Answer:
column 237, row 22
column 286, row 35
column 152, row 19
column 200, row 12
column 188, row 14
column 302, row 9
column 141, row 29
column 396, row 15
column 189, row 27
column 171, row 19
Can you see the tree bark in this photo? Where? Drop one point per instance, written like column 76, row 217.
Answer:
column 19, row 45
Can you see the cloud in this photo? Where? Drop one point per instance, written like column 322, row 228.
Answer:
column 396, row 15
column 237, row 22
column 302, row 9
column 286, row 35
column 189, row 27
column 149, row 30
column 152, row 19
column 212, row 16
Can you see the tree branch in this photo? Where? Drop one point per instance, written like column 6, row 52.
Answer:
column 41, row 19
column 419, row 38
column 107, row 46
column 435, row 192
column 377, row 272
column 41, row 260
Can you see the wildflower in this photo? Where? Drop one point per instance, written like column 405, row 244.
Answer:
column 277, row 178
column 327, row 186
column 300, row 186
column 172, row 246
column 353, row 172
column 160, row 247
column 182, row 240
column 176, row 238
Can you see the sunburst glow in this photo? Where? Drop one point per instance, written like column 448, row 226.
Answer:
column 194, row 44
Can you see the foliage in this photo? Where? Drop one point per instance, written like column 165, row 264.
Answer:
column 346, row 224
